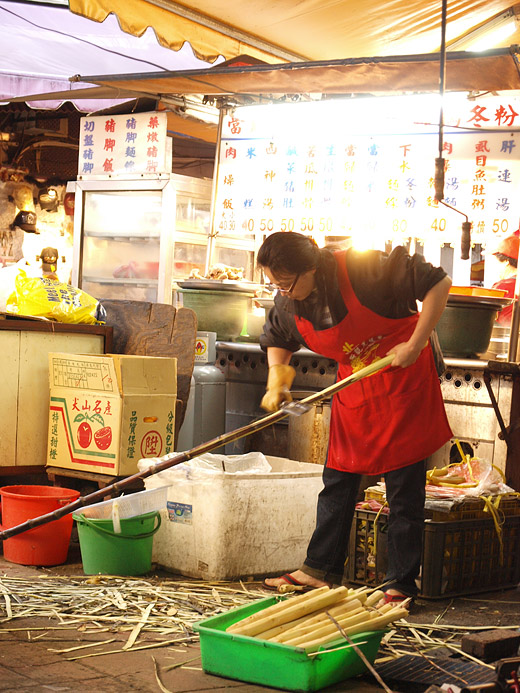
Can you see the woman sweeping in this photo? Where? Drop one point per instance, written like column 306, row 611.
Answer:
column 357, row 307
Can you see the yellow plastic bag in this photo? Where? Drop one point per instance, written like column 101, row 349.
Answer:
column 43, row 297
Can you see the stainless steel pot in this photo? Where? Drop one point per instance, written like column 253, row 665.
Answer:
column 308, row 434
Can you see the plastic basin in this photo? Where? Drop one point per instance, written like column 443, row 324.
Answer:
column 279, row 666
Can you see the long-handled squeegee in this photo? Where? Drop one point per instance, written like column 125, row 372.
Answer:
column 174, row 459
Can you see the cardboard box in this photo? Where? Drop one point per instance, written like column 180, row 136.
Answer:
column 108, row 412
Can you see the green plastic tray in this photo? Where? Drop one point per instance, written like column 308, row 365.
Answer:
column 248, row 659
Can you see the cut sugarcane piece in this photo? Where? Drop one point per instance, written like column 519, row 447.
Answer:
column 373, row 598
column 325, row 628
column 377, row 623
column 313, row 622
column 277, row 608
column 305, row 631
column 293, row 612
column 345, row 605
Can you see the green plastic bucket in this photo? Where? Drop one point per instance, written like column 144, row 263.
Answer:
column 103, row 552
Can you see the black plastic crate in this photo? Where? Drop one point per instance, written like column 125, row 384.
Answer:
column 462, row 557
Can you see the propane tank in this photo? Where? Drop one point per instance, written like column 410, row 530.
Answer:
column 205, row 416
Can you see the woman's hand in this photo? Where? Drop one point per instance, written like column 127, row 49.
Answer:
column 404, row 354
column 433, row 305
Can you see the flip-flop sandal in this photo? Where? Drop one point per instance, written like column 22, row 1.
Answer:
column 287, row 578
column 395, row 599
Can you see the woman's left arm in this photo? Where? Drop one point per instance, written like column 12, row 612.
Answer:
column 433, row 306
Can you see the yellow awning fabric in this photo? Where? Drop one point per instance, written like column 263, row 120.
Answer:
column 172, row 30
column 291, row 30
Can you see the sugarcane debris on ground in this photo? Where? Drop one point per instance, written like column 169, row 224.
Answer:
column 158, row 612
column 164, row 609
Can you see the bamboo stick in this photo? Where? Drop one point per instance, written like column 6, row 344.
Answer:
column 326, row 626
column 373, row 598
column 347, row 604
column 351, row 605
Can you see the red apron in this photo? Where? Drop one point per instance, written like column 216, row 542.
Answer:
column 390, row 419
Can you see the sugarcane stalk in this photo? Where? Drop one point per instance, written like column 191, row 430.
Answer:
column 305, row 629
column 173, row 459
column 352, row 607
column 371, row 623
column 296, row 611
column 276, row 609
column 361, row 655
column 326, row 628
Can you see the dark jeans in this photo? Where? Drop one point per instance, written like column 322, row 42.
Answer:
column 328, row 547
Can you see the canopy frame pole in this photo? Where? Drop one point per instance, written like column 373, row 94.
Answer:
column 213, row 232
column 512, row 352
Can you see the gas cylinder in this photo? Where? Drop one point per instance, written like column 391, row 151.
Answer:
column 205, row 416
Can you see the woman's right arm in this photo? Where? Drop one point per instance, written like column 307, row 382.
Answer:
column 277, row 355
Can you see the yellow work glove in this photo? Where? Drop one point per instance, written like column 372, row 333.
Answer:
column 279, row 381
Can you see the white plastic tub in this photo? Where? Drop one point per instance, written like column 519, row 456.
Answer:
column 222, row 525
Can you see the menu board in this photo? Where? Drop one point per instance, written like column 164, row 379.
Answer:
column 124, row 145
column 365, row 168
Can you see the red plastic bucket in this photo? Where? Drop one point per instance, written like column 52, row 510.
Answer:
column 45, row 545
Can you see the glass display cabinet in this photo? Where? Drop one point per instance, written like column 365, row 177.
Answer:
column 133, row 239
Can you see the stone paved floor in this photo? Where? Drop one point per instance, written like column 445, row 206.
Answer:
column 28, row 663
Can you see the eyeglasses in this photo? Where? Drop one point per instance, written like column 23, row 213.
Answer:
column 277, row 287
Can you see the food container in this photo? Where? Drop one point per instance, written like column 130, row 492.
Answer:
column 477, row 291
column 132, row 505
column 254, row 325
column 465, row 326
column 221, row 311
column 205, row 508
column 249, row 659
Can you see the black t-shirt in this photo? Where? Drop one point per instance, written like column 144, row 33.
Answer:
column 388, row 284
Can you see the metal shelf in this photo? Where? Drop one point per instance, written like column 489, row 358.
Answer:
column 119, row 237
column 133, row 281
